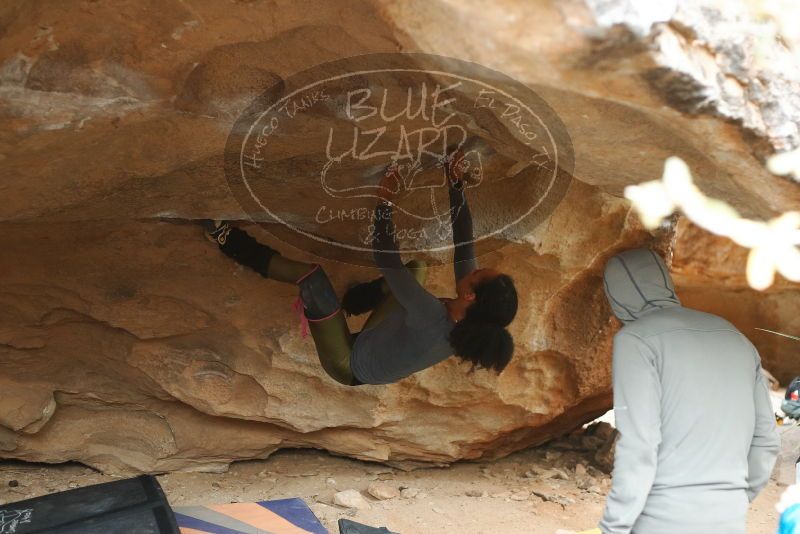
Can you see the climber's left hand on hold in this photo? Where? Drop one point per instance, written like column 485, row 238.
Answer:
column 454, row 168
column 391, row 183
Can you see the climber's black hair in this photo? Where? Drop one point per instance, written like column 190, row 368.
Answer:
column 481, row 337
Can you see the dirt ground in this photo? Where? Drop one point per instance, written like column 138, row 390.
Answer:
column 533, row 491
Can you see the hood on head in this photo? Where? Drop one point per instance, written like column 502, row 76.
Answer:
column 637, row 282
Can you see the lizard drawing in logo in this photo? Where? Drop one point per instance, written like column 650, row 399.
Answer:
column 416, row 176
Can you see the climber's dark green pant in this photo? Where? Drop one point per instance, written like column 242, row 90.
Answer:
column 327, row 324
column 334, row 341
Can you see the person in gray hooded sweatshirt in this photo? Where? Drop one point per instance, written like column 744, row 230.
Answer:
column 698, row 438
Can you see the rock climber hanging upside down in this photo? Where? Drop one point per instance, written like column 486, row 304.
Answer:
column 409, row 329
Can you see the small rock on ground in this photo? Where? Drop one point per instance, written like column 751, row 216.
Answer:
column 383, row 492
column 351, row 499
column 409, row 493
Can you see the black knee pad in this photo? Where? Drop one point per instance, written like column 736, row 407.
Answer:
column 319, row 297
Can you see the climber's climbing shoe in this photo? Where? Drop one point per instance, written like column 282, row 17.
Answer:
column 217, row 231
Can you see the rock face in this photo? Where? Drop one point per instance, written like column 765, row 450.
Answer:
column 129, row 343
column 709, row 272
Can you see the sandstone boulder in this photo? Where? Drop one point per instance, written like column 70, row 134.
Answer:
column 130, row 344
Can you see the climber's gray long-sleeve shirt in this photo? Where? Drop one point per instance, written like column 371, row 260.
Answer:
column 415, row 336
column 697, row 434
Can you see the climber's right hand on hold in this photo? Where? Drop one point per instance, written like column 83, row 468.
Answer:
column 454, row 168
column 391, row 182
